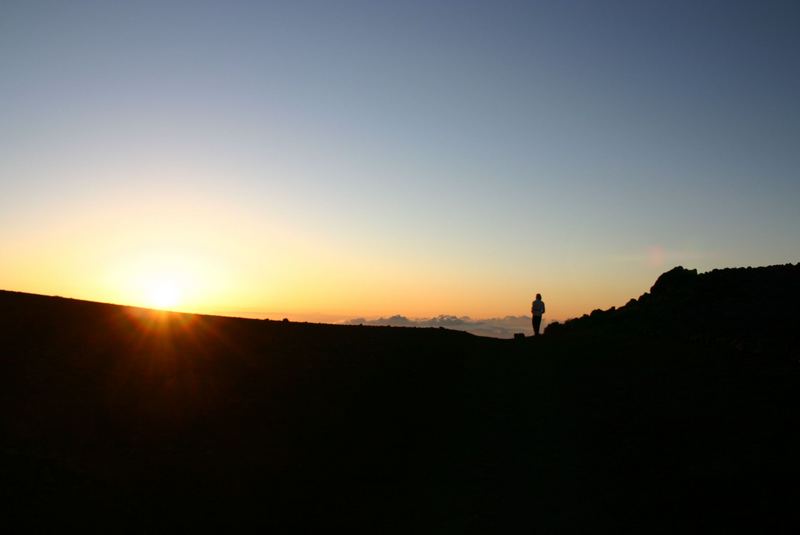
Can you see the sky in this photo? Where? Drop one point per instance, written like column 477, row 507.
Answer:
column 330, row 160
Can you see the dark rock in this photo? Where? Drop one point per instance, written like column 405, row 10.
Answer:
column 676, row 279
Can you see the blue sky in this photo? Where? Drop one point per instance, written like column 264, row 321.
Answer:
column 480, row 149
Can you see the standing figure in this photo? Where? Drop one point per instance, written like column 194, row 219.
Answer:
column 537, row 309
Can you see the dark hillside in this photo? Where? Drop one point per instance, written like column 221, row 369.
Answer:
column 748, row 309
column 157, row 414
column 632, row 420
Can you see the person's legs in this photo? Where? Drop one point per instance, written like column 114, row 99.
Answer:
column 537, row 322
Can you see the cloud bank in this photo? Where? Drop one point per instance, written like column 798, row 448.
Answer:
column 495, row 327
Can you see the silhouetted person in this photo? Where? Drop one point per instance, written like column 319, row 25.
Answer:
column 537, row 309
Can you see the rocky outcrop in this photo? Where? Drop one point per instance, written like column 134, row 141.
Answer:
column 748, row 309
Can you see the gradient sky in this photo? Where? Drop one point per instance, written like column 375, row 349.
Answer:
column 326, row 160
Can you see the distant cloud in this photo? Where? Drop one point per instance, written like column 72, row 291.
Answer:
column 494, row 327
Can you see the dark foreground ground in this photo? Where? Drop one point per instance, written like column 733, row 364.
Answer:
column 121, row 419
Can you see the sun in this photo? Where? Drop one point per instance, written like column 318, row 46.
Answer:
column 163, row 294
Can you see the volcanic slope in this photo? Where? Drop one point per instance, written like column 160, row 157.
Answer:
column 677, row 411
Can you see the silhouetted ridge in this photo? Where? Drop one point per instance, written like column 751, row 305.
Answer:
column 750, row 309
column 650, row 418
column 676, row 280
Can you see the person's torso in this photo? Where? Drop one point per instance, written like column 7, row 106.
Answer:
column 538, row 307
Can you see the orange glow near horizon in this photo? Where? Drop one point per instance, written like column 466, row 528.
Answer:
column 203, row 255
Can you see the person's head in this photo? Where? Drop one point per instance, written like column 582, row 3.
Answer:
column 539, row 296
